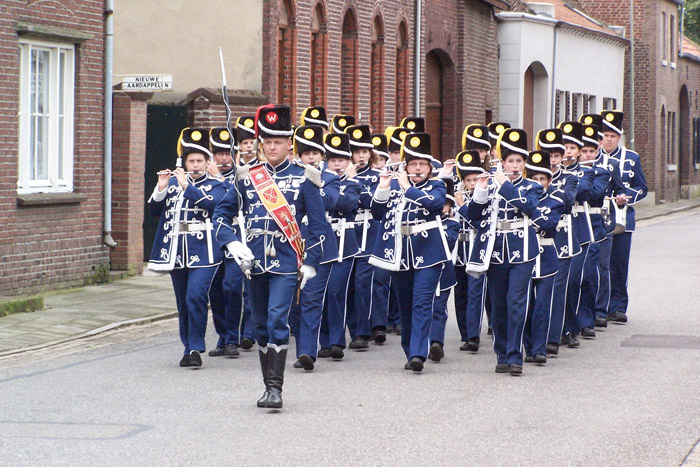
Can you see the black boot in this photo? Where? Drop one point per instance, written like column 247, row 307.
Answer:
column 276, row 360
column 264, row 366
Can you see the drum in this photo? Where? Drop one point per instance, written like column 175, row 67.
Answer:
column 620, row 218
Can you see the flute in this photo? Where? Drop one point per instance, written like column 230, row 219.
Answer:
column 171, row 173
column 396, row 175
column 491, row 174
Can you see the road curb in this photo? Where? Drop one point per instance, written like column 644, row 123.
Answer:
column 92, row 332
column 641, row 217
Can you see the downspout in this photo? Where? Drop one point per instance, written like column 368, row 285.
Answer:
column 630, row 143
column 682, row 7
column 416, row 58
column 554, row 76
column 109, row 62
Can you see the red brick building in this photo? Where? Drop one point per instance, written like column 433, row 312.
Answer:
column 51, row 144
column 666, row 85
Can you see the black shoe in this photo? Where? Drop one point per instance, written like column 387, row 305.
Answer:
column 565, row 339
column 572, row 342
column 397, row 329
column 436, row 352
column 408, row 366
column 601, row 322
column 276, row 360
column 359, row 343
column 539, row 359
column 337, row 352
column 266, row 378
column 307, row 363
column 231, row 350
column 473, row 344
column 618, row 317
column 217, row 352
column 247, row 343
column 588, row 333
column 324, row 353
column 195, row 359
column 378, row 336
column 390, row 329
column 489, row 331
column 502, row 368
column 416, row 364
column 529, row 359
column 298, row 364
column 185, row 361
column 552, row 348
column 515, row 369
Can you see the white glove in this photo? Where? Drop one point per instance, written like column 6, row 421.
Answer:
column 306, row 272
column 240, row 252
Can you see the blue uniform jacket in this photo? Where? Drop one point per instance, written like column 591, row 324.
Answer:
column 182, row 239
column 330, row 192
column 343, row 216
column 467, row 230
column 549, row 212
column 417, row 240
column 300, row 186
column 581, row 220
column 565, row 185
column 632, row 176
column 451, row 228
column 365, row 225
column 515, row 201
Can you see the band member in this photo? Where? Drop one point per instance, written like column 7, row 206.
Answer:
column 380, row 152
column 342, row 220
column 184, row 244
column 635, row 184
column 470, row 289
column 563, row 186
column 340, row 122
column 226, row 293
column 306, row 313
column 506, row 204
column 450, row 229
column 247, row 143
column 495, row 130
column 476, row 137
column 409, row 205
column 572, row 135
column 413, row 124
column 549, row 211
column 361, row 323
column 275, row 196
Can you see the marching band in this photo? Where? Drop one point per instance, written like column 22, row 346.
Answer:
column 332, row 229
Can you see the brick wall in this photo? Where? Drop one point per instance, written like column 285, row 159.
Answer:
column 58, row 245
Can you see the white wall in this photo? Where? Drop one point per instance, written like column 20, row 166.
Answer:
column 182, row 38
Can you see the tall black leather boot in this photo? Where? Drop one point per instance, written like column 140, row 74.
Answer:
column 276, row 360
column 265, row 367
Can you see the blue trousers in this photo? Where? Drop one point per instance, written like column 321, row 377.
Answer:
column 305, row 316
column 559, row 290
column 226, row 299
column 191, row 287
column 394, row 318
column 603, row 299
column 469, row 303
column 335, row 307
column 619, row 268
column 509, row 292
column 379, row 307
column 573, row 293
column 360, row 298
column 416, row 294
column 271, row 297
column 539, row 317
column 589, row 288
column 437, row 328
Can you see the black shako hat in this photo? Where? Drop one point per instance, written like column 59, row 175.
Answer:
column 308, row 138
column 273, row 121
column 538, row 162
column 193, row 140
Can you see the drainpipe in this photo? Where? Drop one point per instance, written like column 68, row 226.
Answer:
column 416, row 59
column 630, row 143
column 553, row 117
column 107, row 239
column 682, row 7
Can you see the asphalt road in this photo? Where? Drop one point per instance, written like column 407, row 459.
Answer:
column 121, row 399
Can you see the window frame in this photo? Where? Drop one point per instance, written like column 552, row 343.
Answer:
column 60, row 142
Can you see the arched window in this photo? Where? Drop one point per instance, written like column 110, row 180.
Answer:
column 286, row 54
column 402, row 72
column 348, row 67
column 319, row 41
column 376, row 102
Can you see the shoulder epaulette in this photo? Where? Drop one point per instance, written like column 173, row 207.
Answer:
column 242, row 172
column 313, row 175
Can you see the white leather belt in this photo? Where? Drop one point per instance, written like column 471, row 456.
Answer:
column 464, row 235
column 564, row 222
column 193, row 226
column 418, row 228
column 578, row 208
column 258, row 232
column 510, row 225
column 594, row 211
column 360, row 216
column 336, row 225
column 546, row 241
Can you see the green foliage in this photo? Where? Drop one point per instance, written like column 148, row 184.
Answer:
column 21, row 305
column 691, row 27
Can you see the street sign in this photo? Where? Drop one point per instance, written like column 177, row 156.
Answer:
column 145, row 83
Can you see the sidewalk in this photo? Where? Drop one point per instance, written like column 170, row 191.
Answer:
column 82, row 312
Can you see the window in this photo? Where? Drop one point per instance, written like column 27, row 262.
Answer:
column 562, row 106
column 376, row 102
column 696, row 142
column 577, row 105
column 47, row 73
column 318, row 56
column 672, row 44
column 402, row 72
column 664, row 39
column 671, row 138
column 609, row 103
